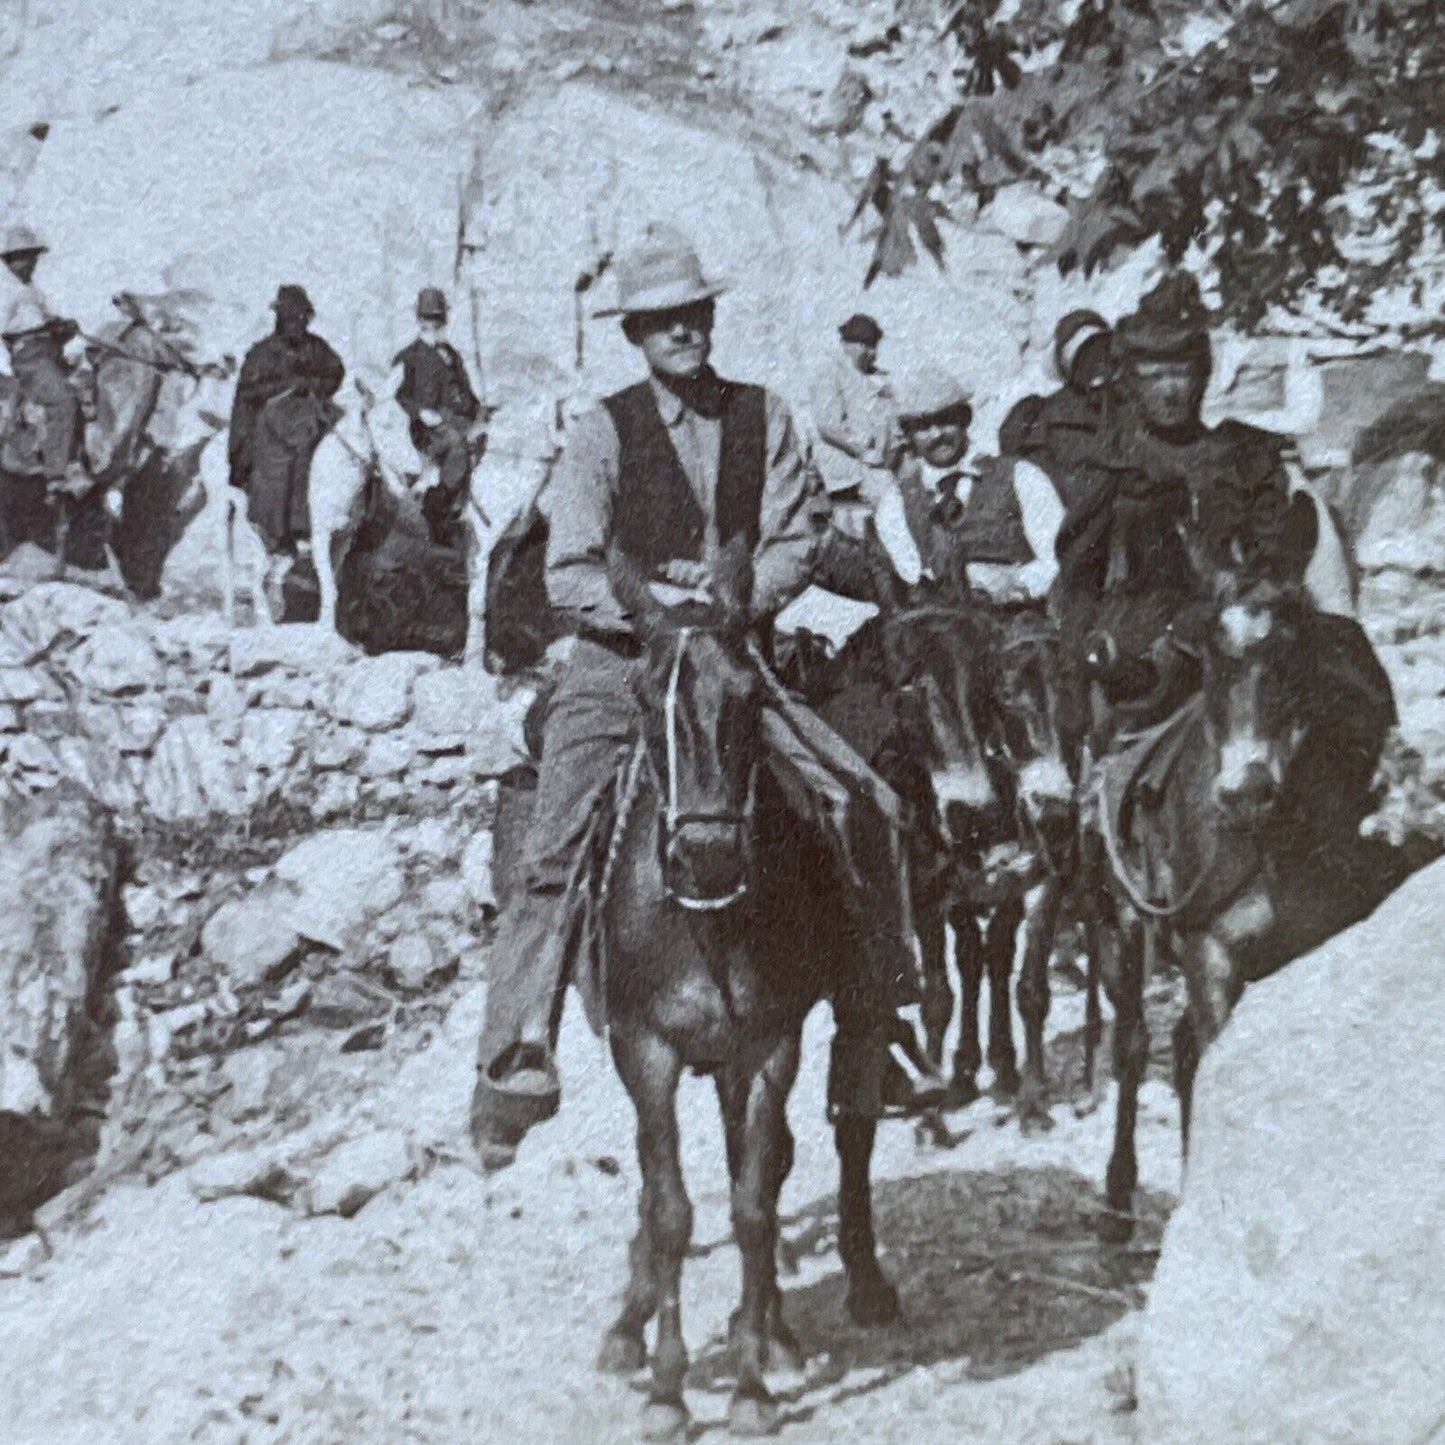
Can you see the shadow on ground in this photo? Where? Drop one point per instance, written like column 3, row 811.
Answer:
column 996, row 1270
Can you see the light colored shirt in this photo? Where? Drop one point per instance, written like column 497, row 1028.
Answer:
column 577, row 503
column 1040, row 509
column 856, row 409
column 23, row 308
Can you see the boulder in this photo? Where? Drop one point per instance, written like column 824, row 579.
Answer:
column 21, row 685
column 477, row 870
column 1024, row 216
column 58, row 878
column 413, row 962
column 356, row 1172
column 1298, row 1293
column 192, row 775
column 271, row 737
column 342, row 877
column 36, row 620
column 118, row 659
column 253, row 938
column 295, row 648
column 375, row 693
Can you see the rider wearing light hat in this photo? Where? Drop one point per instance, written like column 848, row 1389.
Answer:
column 660, row 471
column 37, row 353
column 436, row 394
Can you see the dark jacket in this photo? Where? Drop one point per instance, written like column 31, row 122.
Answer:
column 1059, row 434
column 272, row 366
column 434, row 378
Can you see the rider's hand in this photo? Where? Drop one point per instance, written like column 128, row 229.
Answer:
column 682, row 573
column 430, row 416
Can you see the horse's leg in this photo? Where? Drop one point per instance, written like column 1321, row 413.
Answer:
column 754, row 1106
column 1131, row 1057
column 650, row 1070
column 1041, row 918
column 872, row 1300
column 624, row 1346
column 937, row 1003
column 1186, row 1064
column 968, row 1055
column 999, row 941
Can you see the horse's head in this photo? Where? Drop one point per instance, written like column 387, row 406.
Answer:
column 1253, row 692
column 702, row 708
column 934, row 646
column 1026, row 725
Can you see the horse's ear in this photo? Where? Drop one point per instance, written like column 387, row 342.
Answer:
column 730, row 571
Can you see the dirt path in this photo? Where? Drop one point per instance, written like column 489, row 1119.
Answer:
column 454, row 1308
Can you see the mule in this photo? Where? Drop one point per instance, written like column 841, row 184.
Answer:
column 721, row 928
column 1228, row 843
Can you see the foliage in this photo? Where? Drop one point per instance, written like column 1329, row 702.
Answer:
column 1300, row 148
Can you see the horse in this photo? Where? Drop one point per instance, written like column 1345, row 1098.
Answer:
column 358, row 456
column 151, row 409
column 1228, row 842
column 719, row 926
column 1020, row 882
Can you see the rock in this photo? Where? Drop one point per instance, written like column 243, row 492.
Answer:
column 226, row 705
column 132, row 729
column 343, row 877
column 257, row 1172
column 253, row 938
column 445, row 898
column 413, row 962
column 497, row 744
column 375, row 693
column 344, row 1001
column 58, row 867
column 430, row 839
column 356, row 1172
column 29, row 751
column 21, row 685
column 37, row 619
column 271, row 737
column 337, row 796
column 103, row 772
column 192, row 775
column 338, row 748
column 247, row 1075
column 152, row 970
column 297, row 648
column 477, row 870
column 444, row 772
column 11, row 719
column 450, row 701
column 144, row 906
column 118, row 659
column 387, row 756
column 1024, row 216
column 1298, row 1293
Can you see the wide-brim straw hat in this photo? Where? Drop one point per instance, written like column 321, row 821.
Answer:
column 661, row 273
column 21, row 240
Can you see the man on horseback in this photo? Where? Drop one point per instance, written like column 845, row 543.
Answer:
column 1158, row 490
column 40, row 354
column 436, row 394
column 663, row 472
column 282, row 409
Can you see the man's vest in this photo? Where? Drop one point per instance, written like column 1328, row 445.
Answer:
column 656, row 517
column 989, row 526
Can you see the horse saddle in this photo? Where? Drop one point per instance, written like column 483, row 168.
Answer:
column 1131, row 777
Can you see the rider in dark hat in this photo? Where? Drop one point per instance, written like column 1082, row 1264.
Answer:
column 277, row 418
column 436, row 393
column 1159, row 474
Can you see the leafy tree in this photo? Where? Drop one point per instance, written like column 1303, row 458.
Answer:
column 1300, row 148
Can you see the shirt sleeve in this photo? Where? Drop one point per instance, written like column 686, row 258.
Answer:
column 577, row 503
column 790, row 518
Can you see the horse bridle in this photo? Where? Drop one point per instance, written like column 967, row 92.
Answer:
column 674, row 817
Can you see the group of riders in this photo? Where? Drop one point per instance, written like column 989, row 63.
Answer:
column 283, row 405
column 1111, row 510
column 1107, row 509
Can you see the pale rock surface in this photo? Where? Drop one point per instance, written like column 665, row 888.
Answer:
column 1298, row 1294
column 58, row 864
column 477, row 862
column 118, row 659
column 357, row 1171
column 253, row 938
column 343, row 877
column 375, row 692
column 412, row 961
column 192, row 775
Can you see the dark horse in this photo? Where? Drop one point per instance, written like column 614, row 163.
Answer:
column 1227, row 836
column 721, row 928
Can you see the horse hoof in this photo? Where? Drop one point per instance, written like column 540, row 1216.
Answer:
column 1116, row 1227
column 785, row 1352
column 621, row 1354
column 664, row 1421
column 1034, row 1120
column 1005, row 1087
column 874, row 1304
column 752, row 1414
column 961, row 1092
